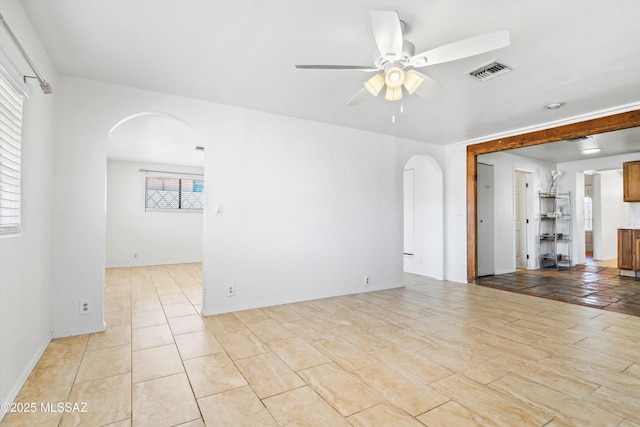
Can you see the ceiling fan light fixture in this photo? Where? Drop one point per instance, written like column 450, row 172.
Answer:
column 394, row 77
column 375, row 84
column 412, row 82
column 393, row 93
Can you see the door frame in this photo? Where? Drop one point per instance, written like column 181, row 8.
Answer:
column 610, row 123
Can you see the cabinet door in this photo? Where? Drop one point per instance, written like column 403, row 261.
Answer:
column 625, row 249
column 631, row 181
column 636, row 250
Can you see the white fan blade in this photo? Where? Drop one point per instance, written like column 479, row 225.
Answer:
column 429, row 88
column 359, row 97
column 461, row 49
column 337, row 67
column 387, row 31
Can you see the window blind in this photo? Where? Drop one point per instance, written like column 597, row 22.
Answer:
column 10, row 156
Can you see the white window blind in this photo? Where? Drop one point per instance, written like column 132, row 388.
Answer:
column 10, row 156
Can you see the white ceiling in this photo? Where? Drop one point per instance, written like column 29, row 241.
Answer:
column 243, row 52
column 611, row 144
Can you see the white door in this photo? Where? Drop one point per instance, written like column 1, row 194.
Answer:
column 522, row 222
column 485, row 220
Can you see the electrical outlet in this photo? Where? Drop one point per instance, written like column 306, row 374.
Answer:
column 366, row 280
column 135, row 255
column 231, row 289
column 85, row 306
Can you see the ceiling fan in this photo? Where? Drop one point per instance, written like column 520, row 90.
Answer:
column 396, row 58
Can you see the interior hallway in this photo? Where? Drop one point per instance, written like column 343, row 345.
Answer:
column 433, row 353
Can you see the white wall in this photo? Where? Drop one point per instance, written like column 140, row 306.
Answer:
column 309, row 210
column 613, row 214
column 504, row 167
column 455, row 213
column 25, row 262
column 634, row 214
column 155, row 237
column 428, row 256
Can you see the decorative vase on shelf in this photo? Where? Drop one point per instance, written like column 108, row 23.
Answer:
column 553, row 189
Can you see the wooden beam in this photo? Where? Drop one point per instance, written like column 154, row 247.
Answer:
column 472, row 216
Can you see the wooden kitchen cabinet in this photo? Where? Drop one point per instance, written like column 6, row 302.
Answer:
column 629, row 249
column 631, row 181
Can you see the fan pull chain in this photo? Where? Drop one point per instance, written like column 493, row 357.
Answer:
column 393, row 114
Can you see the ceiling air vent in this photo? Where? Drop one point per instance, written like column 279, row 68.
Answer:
column 490, row 71
column 580, row 138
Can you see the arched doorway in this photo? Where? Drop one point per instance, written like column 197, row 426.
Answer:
column 159, row 147
column 423, row 217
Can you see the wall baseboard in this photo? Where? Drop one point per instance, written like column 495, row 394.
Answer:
column 10, row 397
column 82, row 331
column 271, row 303
column 150, row 264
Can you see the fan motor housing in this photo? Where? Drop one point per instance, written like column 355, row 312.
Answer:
column 382, row 62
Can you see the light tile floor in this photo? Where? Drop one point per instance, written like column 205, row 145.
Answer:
column 433, row 353
column 590, row 285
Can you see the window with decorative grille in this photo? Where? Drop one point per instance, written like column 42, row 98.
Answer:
column 10, row 156
column 173, row 194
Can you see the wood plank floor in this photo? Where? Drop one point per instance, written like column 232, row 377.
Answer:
column 432, row 353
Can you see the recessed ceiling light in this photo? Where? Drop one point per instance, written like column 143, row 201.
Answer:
column 554, row 105
column 591, row 150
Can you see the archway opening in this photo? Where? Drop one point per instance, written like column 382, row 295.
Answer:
column 154, row 203
column 423, row 217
